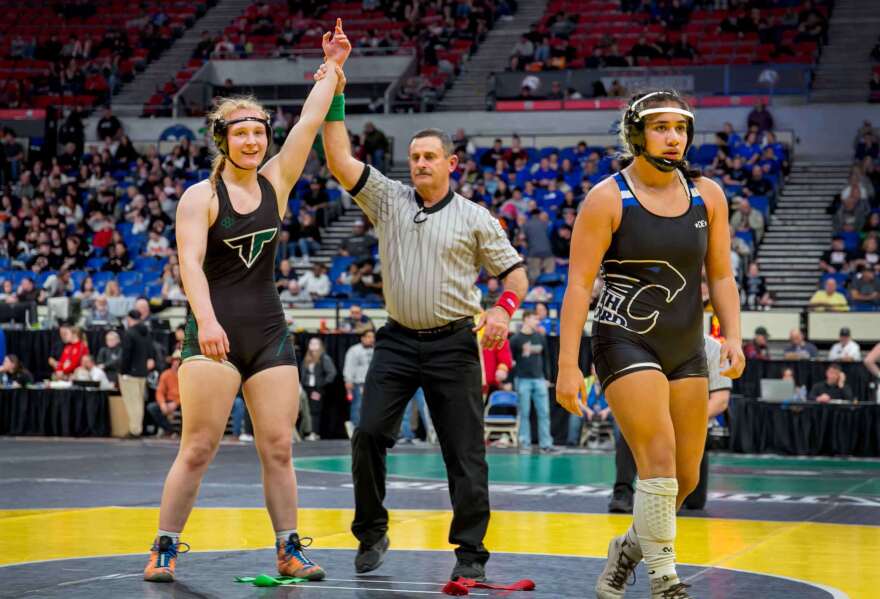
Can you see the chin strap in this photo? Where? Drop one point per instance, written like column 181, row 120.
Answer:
column 663, row 164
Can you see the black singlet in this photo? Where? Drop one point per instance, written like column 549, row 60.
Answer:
column 240, row 268
column 650, row 312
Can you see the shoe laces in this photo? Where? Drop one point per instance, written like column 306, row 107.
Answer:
column 676, row 591
column 623, row 570
column 294, row 547
column 169, row 551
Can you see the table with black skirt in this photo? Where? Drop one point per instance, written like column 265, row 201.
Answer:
column 805, row 428
column 71, row 412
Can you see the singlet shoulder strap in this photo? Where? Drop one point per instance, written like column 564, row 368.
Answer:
column 223, row 202
column 696, row 198
column 268, row 198
column 626, row 195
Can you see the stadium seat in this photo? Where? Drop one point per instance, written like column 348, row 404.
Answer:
column 501, row 415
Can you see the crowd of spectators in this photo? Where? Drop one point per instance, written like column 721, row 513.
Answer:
column 850, row 268
column 443, row 34
column 83, row 52
column 677, row 32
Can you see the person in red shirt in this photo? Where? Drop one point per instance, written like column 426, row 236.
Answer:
column 71, row 356
column 496, row 368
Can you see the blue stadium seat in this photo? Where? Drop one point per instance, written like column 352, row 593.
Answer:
column 340, row 291
column 132, row 289
column 850, row 240
column 78, row 276
column 149, row 263
column 129, row 277
column 124, row 228
column 40, row 278
column 547, row 150
column 550, row 279
column 841, row 278
column 153, row 289
column 95, row 263
column 101, row 278
column 4, row 263
column 761, row 203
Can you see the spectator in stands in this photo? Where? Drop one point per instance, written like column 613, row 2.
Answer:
column 356, row 322
column 834, row 386
column 26, row 291
column 167, row 397
column 7, row 294
column 99, row 314
column 57, row 285
column 532, row 367
column 360, row 244
column 868, row 256
column 376, row 146
column 316, row 283
column 317, row 373
column 760, row 118
column 523, row 53
column 493, row 292
column 137, row 360
column 561, row 243
column 747, row 219
column 118, row 258
column 367, row 285
column 828, row 298
column 318, row 200
column 736, row 175
column 838, row 258
column 754, row 290
column 347, row 276
column 853, row 211
column 296, row 295
column 91, row 372
column 757, row 348
column 872, row 225
column 757, row 185
column 865, row 290
column 110, row 356
column 172, row 285
column 644, row 49
column 539, row 255
column 14, row 153
column 846, row 349
column 13, row 373
column 682, row 49
column 799, row 348
column 308, row 238
column 283, row 274
column 109, row 127
column 71, row 356
column 357, row 361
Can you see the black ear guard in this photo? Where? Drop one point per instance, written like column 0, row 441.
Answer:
column 220, row 128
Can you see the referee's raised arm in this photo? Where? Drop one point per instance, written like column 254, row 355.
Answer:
column 337, row 148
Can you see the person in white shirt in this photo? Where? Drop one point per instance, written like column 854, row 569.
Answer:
column 157, row 245
column 89, row 371
column 845, row 350
column 357, row 362
column 316, row 283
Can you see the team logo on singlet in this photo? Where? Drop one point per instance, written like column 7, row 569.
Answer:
column 616, row 301
column 250, row 246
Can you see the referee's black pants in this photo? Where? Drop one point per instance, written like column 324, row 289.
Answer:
column 447, row 367
column 625, row 465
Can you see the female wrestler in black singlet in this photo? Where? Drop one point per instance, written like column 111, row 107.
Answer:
column 227, row 231
column 651, row 228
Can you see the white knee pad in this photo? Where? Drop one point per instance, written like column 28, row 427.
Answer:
column 654, row 522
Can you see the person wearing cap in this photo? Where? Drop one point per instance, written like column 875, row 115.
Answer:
column 833, row 387
column 757, row 348
column 845, row 350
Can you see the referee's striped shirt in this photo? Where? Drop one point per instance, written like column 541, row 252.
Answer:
column 431, row 256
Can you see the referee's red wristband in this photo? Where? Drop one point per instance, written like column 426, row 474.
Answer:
column 508, row 302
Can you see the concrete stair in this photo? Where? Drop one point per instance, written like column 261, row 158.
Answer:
column 799, row 231
column 845, row 67
column 471, row 87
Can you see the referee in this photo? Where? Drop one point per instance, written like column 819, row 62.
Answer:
column 432, row 244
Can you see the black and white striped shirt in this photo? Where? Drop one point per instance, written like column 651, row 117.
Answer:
column 431, row 256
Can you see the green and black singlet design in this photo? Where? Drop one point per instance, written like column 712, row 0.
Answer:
column 240, row 267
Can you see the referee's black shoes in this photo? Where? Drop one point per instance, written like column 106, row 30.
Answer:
column 369, row 558
column 472, row 570
column 621, row 500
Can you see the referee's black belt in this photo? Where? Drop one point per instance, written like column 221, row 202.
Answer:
column 435, row 333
